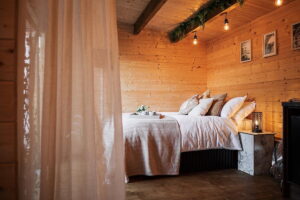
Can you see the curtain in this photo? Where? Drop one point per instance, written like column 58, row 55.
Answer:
column 70, row 142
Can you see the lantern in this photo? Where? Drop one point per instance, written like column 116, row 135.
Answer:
column 257, row 122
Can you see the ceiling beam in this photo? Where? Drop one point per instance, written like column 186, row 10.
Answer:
column 148, row 13
column 178, row 33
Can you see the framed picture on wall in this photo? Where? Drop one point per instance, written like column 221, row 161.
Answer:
column 269, row 44
column 245, row 51
column 296, row 36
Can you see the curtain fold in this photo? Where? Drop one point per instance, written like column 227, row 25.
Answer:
column 70, row 130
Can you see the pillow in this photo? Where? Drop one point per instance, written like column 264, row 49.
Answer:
column 217, row 105
column 189, row 104
column 205, row 94
column 245, row 110
column 202, row 108
column 232, row 106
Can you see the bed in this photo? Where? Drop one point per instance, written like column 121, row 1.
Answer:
column 158, row 146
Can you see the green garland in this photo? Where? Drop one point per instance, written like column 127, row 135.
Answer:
column 204, row 13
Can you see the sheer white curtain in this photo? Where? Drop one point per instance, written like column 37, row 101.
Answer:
column 69, row 108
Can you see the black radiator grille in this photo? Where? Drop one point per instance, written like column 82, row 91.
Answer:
column 208, row 160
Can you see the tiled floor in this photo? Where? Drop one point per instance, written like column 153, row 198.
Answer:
column 214, row 185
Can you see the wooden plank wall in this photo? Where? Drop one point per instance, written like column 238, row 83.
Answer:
column 8, row 147
column 157, row 73
column 269, row 80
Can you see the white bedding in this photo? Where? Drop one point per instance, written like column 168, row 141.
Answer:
column 207, row 132
column 153, row 146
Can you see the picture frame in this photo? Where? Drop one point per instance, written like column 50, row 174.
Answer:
column 245, row 51
column 270, row 44
column 295, row 30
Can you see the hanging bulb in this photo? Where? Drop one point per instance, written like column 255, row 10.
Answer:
column 278, row 2
column 195, row 40
column 226, row 24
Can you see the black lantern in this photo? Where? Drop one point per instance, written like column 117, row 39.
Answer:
column 257, row 122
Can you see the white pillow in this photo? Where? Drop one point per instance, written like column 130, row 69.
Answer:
column 245, row 110
column 232, row 106
column 202, row 108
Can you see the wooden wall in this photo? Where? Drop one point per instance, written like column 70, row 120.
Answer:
column 270, row 80
column 8, row 148
column 157, row 73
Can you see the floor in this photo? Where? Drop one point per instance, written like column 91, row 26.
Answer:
column 213, row 185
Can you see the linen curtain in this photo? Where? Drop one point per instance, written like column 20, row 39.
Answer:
column 70, row 142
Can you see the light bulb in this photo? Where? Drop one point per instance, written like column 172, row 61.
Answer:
column 195, row 41
column 278, row 2
column 226, row 24
column 226, row 27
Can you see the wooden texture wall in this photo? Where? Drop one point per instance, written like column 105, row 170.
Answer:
column 8, row 148
column 157, row 73
column 270, row 80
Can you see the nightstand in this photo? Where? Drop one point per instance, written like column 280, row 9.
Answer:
column 256, row 156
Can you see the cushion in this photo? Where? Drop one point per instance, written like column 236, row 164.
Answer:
column 232, row 106
column 204, row 94
column 202, row 108
column 189, row 104
column 244, row 111
column 217, row 105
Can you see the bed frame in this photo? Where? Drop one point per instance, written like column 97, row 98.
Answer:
column 206, row 160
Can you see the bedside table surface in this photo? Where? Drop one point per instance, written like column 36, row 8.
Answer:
column 252, row 133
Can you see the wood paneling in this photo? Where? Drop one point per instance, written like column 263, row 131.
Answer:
column 269, row 80
column 151, row 9
column 8, row 185
column 7, row 142
column 238, row 16
column 128, row 11
column 7, row 102
column 7, row 60
column 173, row 13
column 7, row 19
column 8, row 137
column 157, row 73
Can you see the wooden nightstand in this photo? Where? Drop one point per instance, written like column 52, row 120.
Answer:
column 256, row 156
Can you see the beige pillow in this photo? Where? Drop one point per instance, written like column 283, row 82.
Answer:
column 192, row 102
column 189, row 104
column 204, row 94
column 245, row 110
column 232, row 106
column 202, row 108
column 217, row 105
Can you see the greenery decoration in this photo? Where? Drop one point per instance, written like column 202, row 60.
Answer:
column 142, row 108
column 204, row 13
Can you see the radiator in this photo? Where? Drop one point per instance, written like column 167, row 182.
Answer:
column 208, row 160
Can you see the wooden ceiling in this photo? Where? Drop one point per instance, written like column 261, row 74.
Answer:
column 174, row 12
column 238, row 16
column 128, row 11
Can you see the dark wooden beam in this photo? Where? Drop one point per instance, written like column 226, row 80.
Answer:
column 147, row 14
column 179, row 33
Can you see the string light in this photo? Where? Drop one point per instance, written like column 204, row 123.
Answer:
column 226, row 23
column 195, row 40
column 278, row 2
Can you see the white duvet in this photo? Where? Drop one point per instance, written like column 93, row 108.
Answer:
column 153, row 146
column 207, row 132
